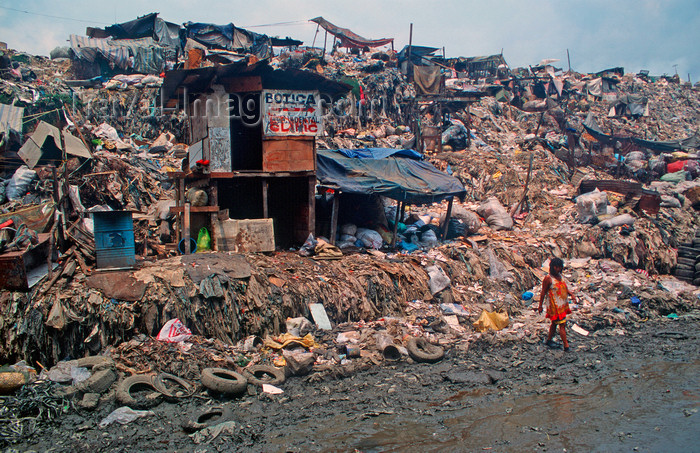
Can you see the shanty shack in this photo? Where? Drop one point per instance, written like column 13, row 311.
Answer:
column 252, row 150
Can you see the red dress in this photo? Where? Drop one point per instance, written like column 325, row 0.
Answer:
column 558, row 296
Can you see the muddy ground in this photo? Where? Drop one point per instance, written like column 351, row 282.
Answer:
column 618, row 389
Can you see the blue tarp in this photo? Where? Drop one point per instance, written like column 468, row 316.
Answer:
column 380, row 153
column 400, row 178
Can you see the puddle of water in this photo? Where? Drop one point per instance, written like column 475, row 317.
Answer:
column 653, row 408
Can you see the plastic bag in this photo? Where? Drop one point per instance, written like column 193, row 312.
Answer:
column 298, row 326
column 79, row 374
column 124, row 415
column 495, row 214
column 369, row 238
column 438, row 279
column 203, row 240
column 591, row 204
column 429, row 239
column 309, row 245
column 491, row 320
column 174, row 331
column 349, row 229
column 497, row 270
column 20, row 182
column 624, row 219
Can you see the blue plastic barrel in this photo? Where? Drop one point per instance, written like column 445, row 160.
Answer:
column 114, row 240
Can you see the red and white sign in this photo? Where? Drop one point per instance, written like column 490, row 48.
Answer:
column 288, row 112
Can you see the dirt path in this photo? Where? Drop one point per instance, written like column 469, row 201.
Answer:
column 505, row 395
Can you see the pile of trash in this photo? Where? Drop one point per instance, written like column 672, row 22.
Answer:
column 541, row 176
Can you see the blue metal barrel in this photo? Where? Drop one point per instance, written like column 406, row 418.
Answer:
column 114, row 240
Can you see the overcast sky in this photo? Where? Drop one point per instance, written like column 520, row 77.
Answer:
column 662, row 36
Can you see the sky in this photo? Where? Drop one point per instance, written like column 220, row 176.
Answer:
column 661, row 36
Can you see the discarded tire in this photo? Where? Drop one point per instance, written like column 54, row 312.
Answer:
column 684, row 273
column 173, row 386
column 134, row 383
column 264, row 374
column 223, row 381
column 685, row 267
column 686, row 261
column 210, row 417
column 671, row 334
column 421, row 350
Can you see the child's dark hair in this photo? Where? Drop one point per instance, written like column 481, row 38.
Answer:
column 558, row 262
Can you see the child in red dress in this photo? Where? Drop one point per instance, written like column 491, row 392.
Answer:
column 556, row 291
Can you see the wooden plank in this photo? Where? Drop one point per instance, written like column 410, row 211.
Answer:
column 242, row 84
column 311, row 211
column 178, row 209
column 186, row 229
column 265, row 194
column 288, row 155
column 334, row 216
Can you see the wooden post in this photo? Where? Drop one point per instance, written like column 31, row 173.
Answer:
column 180, row 201
column 311, row 221
column 186, row 232
column 214, row 217
column 568, row 59
column 448, row 214
column 399, row 207
column 409, row 65
column 265, row 187
column 539, row 124
column 325, row 38
column 334, row 216
column 315, row 34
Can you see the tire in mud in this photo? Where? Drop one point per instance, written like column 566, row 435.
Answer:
column 182, row 388
column 134, row 382
column 224, row 381
column 210, row 417
column 421, row 350
column 264, row 374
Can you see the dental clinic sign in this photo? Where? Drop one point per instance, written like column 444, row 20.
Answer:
column 287, row 112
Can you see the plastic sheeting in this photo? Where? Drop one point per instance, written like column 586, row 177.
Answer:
column 402, row 179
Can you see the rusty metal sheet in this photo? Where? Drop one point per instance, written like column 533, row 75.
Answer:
column 14, row 266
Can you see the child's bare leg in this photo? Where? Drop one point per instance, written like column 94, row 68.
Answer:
column 562, row 333
column 552, row 330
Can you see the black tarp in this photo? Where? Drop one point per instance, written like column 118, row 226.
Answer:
column 420, row 55
column 399, row 178
column 229, row 37
column 141, row 27
column 592, row 128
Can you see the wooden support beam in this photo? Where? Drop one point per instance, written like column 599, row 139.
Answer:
column 265, row 193
column 186, row 229
column 399, row 208
column 448, row 214
column 334, row 216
